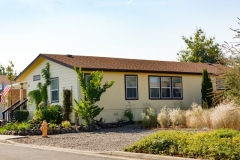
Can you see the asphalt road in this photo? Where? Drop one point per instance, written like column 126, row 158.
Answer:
column 26, row 152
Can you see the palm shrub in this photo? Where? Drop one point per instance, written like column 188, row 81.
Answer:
column 149, row 117
column 92, row 90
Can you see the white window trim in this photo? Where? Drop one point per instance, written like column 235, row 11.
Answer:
column 176, row 87
column 167, row 88
column 126, row 87
column 54, row 101
column 159, row 88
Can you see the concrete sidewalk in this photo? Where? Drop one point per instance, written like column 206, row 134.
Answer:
column 143, row 156
column 8, row 137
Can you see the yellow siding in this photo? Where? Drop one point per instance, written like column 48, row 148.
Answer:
column 114, row 99
column 67, row 78
column 114, row 102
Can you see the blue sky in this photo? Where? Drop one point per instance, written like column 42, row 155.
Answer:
column 140, row 29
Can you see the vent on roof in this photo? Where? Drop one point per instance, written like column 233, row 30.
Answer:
column 69, row 55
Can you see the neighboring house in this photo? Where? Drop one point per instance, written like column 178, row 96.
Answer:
column 15, row 92
column 136, row 82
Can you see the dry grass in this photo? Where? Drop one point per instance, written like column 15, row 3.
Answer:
column 225, row 116
column 194, row 116
column 177, row 117
column 163, row 117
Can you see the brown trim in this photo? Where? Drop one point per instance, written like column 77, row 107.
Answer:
column 58, row 62
column 171, row 89
column 126, row 87
column 51, row 90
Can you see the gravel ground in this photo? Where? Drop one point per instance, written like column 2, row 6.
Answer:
column 113, row 139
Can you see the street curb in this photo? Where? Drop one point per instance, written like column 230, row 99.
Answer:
column 144, row 156
column 118, row 154
column 67, row 150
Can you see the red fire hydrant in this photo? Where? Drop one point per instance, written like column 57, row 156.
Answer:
column 44, row 129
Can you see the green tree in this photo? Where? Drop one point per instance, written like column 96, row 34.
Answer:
column 2, row 70
column 207, row 90
column 92, row 90
column 201, row 49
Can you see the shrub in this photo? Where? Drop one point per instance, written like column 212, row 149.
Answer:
column 149, row 117
column 218, row 144
column 50, row 114
column 226, row 116
column 128, row 113
column 53, row 125
column 66, row 124
column 21, row 115
column 177, row 117
column 66, row 108
column 163, row 117
column 23, row 126
column 17, row 126
column 10, row 126
column 194, row 116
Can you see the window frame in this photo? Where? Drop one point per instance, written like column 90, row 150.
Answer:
column 171, row 88
column 218, row 87
column 149, row 87
column 125, row 86
column 177, row 88
column 51, row 90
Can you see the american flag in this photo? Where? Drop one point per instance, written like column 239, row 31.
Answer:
column 5, row 90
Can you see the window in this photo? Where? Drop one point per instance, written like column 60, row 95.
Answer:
column 220, row 83
column 177, row 87
column 165, row 87
column 54, row 90
column 154, row 87
column 36, row 77
column 86, row 76
column 131, row 87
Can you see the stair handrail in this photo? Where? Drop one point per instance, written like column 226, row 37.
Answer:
column 11, row 106
column 20, row 104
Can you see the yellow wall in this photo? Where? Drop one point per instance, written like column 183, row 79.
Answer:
column 67, row 78
column 113, row 100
